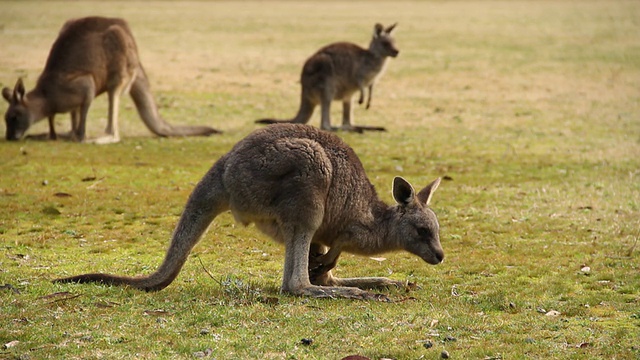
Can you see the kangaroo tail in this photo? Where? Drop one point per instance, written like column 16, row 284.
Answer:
column 302, row 117
column 148, row 110
column 208, row 199
column 312, row 73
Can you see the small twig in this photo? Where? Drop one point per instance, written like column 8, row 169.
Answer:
column 65, row 299
column 55, row 294
column 96, row 183
column 207, row 271
column 633, row 248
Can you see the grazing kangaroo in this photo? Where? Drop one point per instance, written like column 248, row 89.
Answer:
column 91, row 56
column 307, row 189
column 336, row 72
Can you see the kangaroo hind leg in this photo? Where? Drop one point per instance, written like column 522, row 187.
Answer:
column 296, row 277
column 122, row 71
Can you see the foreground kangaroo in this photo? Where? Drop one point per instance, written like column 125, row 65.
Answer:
column 91, row 56
column 336, row 72
column 307, row 189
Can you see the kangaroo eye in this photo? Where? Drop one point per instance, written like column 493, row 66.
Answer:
column 424, row 232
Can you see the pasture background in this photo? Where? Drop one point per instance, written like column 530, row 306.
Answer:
column 530, row 109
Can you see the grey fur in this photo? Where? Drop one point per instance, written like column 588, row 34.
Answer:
column 91, row 56
column 306, row 189
column 337, row 72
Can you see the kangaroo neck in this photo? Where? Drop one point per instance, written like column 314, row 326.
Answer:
column 376, row 60
column 38, row 106
column 372, row 236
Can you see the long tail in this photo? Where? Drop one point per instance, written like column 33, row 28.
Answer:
column 207, row 200
column 302, row 117
column 148, row 110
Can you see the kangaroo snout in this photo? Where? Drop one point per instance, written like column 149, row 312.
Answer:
column 435, row 257
column 395, row 53
column 14, row 135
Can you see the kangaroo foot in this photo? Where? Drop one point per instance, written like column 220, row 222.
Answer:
column 357, row 129
column 109, row 139
column 334, row 292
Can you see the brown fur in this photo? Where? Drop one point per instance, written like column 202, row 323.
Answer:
column 306, row 189
column 337, row 72
column 91, row 56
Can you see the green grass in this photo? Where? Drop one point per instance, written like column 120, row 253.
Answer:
column 530, row 109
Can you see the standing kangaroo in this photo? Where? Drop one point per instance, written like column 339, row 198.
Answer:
column 91, row 56
column 336, row 72
column 307, row 189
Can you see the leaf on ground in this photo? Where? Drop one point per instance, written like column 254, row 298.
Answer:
column 105, row 304
column 10, row 344
column 158, row 312
column 553, row 313
column 50, row 210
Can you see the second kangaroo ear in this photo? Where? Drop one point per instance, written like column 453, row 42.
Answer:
column 390, row 28
column 18, row 93
column 403, row 192
column 425, row 194
column 377, row 30
column 6, row 94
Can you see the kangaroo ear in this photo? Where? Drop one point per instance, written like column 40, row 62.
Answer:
column 403, row 192
column 425, row 194
column 377, row 30
column 390, row 28
column 6, row 94
column 18, row 91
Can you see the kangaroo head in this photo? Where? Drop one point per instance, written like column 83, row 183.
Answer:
column 382, row 42
column 17, row 115
column 417, row 227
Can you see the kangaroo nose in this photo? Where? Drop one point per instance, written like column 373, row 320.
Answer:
column 434, row 257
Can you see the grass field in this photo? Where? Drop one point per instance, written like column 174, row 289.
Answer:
column 529, row 109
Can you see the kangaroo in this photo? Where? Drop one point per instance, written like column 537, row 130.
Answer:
column 306, row 189
column 336, row 72
column 91, row 56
